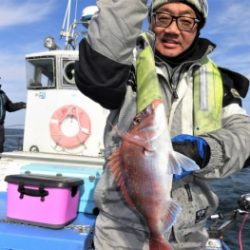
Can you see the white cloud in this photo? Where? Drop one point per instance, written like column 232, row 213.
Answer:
column 236, row 15
column 16, row 61
column 240, row 61
column 228, row 26
column 229, row 18
column 15, row 13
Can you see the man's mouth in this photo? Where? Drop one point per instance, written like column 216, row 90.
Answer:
column 169, row 41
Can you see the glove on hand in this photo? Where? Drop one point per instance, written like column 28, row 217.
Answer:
column 193, row 147
column 23, row 105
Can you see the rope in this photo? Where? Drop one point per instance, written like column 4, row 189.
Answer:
column 246, row 216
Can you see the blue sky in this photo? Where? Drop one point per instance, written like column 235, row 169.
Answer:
column 25, row 23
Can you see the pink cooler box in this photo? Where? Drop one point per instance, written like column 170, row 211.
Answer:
column 44, row 200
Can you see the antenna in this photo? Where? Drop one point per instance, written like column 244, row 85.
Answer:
column 67, row 30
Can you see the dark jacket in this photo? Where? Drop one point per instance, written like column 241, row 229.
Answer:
column 7, row 105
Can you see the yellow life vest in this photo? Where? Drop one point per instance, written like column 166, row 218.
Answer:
column 208, row 96
column 207, row 88
column 148, row 86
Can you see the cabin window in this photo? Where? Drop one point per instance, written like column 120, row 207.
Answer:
column 68, row 73
column 41, row 73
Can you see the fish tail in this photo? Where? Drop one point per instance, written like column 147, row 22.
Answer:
column 159, row 245
column 179, row 163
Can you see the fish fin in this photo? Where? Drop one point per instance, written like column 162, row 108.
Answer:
column 158, row 242
column 172, row 211
column 133, row 138
column 129, row 136
column 179, row 163
column 115, row 164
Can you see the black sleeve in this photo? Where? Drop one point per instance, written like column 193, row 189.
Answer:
column 100, row 78
column 235, row 86
column 247, row 163
column 13, row 106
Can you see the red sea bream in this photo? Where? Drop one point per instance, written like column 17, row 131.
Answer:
column 143, row 167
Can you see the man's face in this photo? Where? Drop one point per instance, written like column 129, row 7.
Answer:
column 171, row 41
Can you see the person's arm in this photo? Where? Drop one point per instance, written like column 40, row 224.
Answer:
column 14, row 106
column 226, row 150
column 230, row 145
column 106, row 55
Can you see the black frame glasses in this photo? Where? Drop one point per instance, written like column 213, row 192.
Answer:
column 184, row 23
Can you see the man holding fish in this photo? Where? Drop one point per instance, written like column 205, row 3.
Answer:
column 160, row 85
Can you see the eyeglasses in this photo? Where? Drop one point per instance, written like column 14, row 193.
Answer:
column 184, row 23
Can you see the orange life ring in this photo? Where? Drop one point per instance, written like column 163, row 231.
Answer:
column 71, row 112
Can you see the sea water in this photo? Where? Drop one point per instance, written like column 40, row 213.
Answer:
column 229, row 191
column 13, row 139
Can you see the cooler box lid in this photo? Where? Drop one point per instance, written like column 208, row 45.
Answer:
column 57, row 181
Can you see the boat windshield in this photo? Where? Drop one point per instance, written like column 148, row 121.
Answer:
column 41, row 73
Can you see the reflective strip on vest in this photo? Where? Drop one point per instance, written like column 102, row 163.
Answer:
column 208, row 96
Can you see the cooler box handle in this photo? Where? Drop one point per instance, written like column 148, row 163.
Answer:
column 41, row 192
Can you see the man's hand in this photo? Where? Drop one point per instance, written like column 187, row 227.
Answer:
column 23, row 105
column 194, row 147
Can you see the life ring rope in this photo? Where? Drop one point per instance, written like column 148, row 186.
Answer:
column 82, row 119
column 83, row 129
